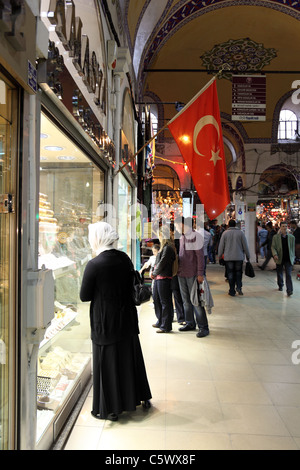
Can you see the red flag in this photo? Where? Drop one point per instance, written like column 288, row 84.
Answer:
column 197, row 131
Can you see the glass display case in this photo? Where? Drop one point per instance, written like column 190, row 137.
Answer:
column 71, row 187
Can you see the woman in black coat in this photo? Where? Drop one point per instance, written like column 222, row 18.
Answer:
column 119, row 377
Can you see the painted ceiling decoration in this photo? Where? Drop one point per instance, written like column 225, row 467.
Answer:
column 185, row 11
column 240, row 55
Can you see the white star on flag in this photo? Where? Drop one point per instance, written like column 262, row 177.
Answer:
column 215, row 157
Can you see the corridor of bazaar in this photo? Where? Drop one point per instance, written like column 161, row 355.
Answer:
column 134, row 112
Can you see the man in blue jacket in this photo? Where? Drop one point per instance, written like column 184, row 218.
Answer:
column 234, row 245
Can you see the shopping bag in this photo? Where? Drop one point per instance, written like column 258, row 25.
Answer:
column 249, row 271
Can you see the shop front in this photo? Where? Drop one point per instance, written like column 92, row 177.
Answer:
column 75, row 160
column 127, row 182
column 17, row 86
column 8, row 256
column 71, row 185
column 278, row 198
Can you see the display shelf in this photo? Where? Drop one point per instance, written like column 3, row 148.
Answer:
column 57, row 325
column 50, row 422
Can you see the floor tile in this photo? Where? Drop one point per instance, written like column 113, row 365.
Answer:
column 253, row 419
column 235, row 389
column 250, row 442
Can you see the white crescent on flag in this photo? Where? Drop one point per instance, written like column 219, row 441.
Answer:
column 204, row 121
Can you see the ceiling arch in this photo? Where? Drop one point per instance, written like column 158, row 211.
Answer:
column 186, row 11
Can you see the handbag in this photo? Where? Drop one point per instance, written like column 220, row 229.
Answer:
column 141, row 293
column 175, row 266
column 249, row 271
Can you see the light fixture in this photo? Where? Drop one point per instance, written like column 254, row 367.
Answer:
column 53, row 148
column 66, row 157
column 185, row 139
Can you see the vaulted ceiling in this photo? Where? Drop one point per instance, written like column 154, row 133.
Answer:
column 201, row 35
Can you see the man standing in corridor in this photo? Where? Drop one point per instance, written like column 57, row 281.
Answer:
column 191, row 267
column 283, row 250
column 234, row 245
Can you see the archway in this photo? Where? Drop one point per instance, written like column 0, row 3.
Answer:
column 278, row 191
column 166, row 185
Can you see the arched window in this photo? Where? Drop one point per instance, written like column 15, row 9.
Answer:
column 288, row 125
column 154, row 122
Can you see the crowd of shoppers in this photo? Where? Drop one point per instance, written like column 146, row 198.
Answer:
column 119, row 376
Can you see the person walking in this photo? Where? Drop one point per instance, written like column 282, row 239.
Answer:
column 283, row 249
column 191, row 267
column 162, row 291
column 234, row 246
column 268, row 244
column 207, row 242
column 262, row 238
column 119, row 376
column 175, row 284
column 296, row 232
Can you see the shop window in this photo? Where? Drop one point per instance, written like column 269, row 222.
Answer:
column 124, row 212
column 288, row 125
column 71, row 187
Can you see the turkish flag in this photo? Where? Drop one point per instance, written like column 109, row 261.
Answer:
column 197, row 131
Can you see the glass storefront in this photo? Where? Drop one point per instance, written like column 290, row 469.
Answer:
column 7, row 260
column 71, row 187
column 125, row 203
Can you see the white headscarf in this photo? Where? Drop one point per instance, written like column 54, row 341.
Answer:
column 102, row 236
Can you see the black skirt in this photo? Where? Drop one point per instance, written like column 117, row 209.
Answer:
column 119, row 377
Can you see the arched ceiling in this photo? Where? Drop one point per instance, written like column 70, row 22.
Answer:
column 180, row 34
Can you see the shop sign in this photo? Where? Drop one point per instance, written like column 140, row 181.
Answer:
column 12, row 19
column 68, row 28
column 32, row 77
column 60, row 81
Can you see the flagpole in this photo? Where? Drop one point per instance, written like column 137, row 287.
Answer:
column 193, row 99
column 142, row 148
column 169, row 122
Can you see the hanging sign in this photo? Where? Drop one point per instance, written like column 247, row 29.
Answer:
column 248, row 98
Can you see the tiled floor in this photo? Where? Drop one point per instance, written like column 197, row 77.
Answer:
column 235, row 389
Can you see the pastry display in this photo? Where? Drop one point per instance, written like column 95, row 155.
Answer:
column 56, row 373
column 62, row 317
column 64, row 249
column 47, row 226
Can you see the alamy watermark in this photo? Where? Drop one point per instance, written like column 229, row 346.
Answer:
column 296, row 354
column 166, row 221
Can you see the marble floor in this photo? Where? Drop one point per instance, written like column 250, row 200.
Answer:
column 237, row 389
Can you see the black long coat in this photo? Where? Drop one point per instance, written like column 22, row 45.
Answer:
column 107, row 282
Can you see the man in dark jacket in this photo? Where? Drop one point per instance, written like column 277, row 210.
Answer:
column 268, row 244
column 191, row 267
column 162, row 292
column 283, row 250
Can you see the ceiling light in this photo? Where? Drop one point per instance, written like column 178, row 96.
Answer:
column 66, row 157
column 53, row 148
